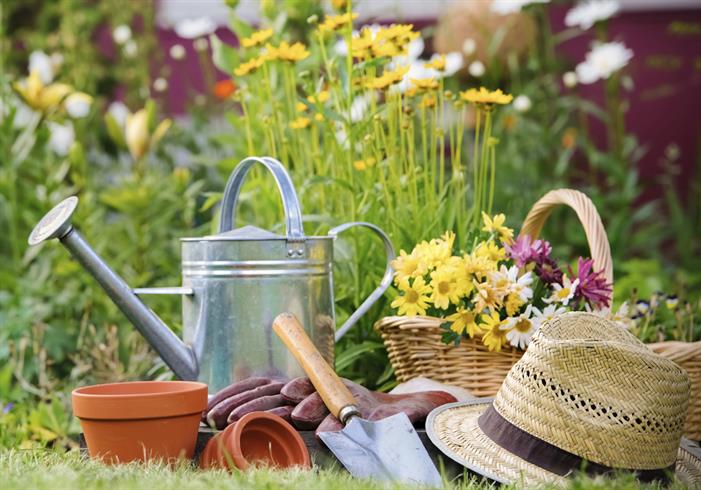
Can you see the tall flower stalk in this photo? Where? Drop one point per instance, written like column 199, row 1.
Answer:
column 365, row 136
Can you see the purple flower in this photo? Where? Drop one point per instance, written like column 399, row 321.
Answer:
column 547, row 270
column 7, row 408
column 524, row 250
column 593, row 287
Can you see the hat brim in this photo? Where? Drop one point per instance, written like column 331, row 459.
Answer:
column 454, row 430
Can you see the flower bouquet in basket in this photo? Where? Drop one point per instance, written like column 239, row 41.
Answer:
column 499, row 292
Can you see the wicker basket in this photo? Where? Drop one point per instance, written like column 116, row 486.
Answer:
column 415, row 348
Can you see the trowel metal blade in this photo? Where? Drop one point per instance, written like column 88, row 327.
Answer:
column 387, row 449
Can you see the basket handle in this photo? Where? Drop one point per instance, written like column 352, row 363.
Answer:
column 589, row 217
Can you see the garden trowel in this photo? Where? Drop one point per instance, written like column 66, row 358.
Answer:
column 387, row 449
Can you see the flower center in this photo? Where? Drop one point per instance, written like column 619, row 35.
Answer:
column 412, row 296
column 563, row 293
column 523, row 325
column 444, row 287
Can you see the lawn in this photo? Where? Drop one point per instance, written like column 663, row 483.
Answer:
column 48, row 469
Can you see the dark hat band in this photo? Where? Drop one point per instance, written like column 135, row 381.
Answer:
column 551, row 458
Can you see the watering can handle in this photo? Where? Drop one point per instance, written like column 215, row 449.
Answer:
column 384, row 283
column 293, row 214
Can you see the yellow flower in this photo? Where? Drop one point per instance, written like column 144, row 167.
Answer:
column 339, row 5
column 387, row 49
column 407, row 265
column 414, row 301
column 462, row 320
column 495, row 337
column 445, row 288
column 300, row 106
column 425, row 83
column 300, row 123
column 388, row 78
column 137, row 135
column 286, row 52
column 490, row 251
column 319, row 98
column 364, row 164
column 334, row 22
column 496, row 225
column 361, row 45
column 257, row 38
column 437, row 64
column 513, row 303
column 478, row 266
column 400, row 33
column 249, row 66
column 485, row 97
column 427, row 102
column 39, row 96
column 487, row 296
column 318, row 117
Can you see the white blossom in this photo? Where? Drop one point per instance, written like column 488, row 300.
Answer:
column 78, row 104
column 476, row 68
column 160, row 84
column 469, row 46
column 177, row 52
column 121, row 34
column 586, row 14
column 131, row 49
column 62, row 138
column 522, row 103
column 569, row 79
column 41, row 63
column 603, row 61
column 505, row 7
column 194, row 28
column 119, row 112
column 201, row 44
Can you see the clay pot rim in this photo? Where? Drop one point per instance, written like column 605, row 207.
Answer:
column 175, row 398
column 295, row 440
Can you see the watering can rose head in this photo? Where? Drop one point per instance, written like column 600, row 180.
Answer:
column 234, row 284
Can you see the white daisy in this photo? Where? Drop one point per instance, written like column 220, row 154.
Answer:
column 547, row 314
column 194, row 28
column 586, row 14
column 602, row 61
column 563, row 294
column 505, row 7
column 520, row 329
column 520, row 285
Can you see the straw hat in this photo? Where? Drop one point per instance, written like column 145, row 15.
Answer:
column 585, row 395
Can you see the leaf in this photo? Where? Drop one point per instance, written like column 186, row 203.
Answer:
column 114, row 130
column 212, row 199
column 355, row 352
column 224, row 56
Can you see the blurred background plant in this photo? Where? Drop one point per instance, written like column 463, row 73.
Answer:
column 91, row 104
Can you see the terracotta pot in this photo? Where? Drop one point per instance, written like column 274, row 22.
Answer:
column 259, row 439
column 142, row 420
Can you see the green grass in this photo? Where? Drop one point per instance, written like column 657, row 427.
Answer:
column 50, row 470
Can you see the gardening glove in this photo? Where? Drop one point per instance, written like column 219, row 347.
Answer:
column 249, row 395
column 310, row 412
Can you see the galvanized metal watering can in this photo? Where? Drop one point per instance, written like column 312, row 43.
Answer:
column 233, row 285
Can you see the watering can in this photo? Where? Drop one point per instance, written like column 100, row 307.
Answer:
column 234, row 284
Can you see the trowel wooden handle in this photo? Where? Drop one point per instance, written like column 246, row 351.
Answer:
column 336, row 396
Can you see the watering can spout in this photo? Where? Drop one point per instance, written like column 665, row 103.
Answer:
column 176, row 354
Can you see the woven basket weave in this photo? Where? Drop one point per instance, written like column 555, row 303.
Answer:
column 415, row 348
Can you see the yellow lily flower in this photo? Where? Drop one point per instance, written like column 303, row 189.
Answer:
column 39, row 96
column 137, row 134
